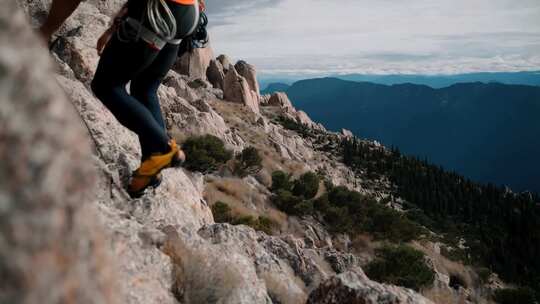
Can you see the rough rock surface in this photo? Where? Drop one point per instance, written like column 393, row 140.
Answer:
column 250, row 74
column 216, row 74
column 225, row 62
column 236, row 89
column 354, row 287
column 280, row 99
column 193, row 116
column 195, row 63
column 47, row 236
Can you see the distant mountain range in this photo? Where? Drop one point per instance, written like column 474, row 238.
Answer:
column 488, row 132
column 441, row 81
column 434, row 81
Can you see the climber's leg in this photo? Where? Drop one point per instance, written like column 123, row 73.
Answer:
column 145, row 85
column 119, row 63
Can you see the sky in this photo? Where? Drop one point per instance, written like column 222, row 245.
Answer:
column 325, row 37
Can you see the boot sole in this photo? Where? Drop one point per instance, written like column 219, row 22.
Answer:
column 156, row 181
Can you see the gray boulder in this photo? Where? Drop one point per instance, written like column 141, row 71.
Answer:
column 51, row 248
column 236, row 89
column 354, row 287
column 225, row 62
column 216, row 74
column 194, row 64
column 280, row 99
column 250, row 74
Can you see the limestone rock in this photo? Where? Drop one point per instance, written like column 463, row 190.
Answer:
column 225, row 62
column 338, row 261
column 280, row 99
column 353, row 287
column 109, row 7
column 194, row 118
column 209, row 273
column 216, row 74
column 51, row 248
column 236, row 89
column 76, row 45
column 250, row 74
column 195, row 63
column 279, row 277
column 303, row 118
column 288, row 145
column 315, row 236
column 143, row 271
column 180, row 84
column 264, row 99
column 347, row 133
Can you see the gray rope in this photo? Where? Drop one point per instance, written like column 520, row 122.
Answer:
column 161, row 19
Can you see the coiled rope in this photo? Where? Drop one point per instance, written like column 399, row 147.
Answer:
column 161, row 19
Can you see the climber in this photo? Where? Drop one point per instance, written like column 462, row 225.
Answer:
column 141, row 47
column 61, row 10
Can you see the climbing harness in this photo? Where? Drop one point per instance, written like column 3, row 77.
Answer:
column 163, row 28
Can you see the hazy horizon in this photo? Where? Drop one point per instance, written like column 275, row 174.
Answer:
column 312, row 37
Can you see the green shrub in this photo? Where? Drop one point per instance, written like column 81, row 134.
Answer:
column 455, row 254
column 418, row 216
column 221, row 212
column 261, row 223
column 247, row 220
column 328, row 185
column 339, row 219
column 389, row 224
column 291, row 124
column 361, row 213
column 307, row 185
column 286, row 201
column 205, row 153
column 281, row 181
column 483, row 274
column 521, row 295
column 321, row 204
column 342, row 209
column 248, row 162
column 303, row 208
column 401, row 265
column 266, row 225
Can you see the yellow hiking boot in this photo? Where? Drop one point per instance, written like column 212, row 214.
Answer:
column 148, row 174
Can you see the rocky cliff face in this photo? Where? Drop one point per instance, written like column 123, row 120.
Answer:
column 70, row 234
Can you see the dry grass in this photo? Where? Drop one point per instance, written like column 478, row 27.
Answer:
column 238, row 117
column 443, row 297
column 451, row 268
column 243, row 199
column 363, row 247
column 201, row 273
column 444, row 265
column 283, row 289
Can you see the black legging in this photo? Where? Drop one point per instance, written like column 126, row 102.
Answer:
column 125, row 60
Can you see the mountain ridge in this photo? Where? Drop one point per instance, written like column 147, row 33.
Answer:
column 434, row 81
column 466, row 110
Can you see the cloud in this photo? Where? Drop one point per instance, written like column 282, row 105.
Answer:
column 379, row 35
column 223, row 12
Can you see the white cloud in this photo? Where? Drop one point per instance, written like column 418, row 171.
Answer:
column 423, row 36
